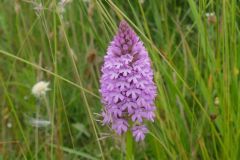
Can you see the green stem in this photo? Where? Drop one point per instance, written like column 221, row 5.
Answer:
column 36, row 133
column 129, row 146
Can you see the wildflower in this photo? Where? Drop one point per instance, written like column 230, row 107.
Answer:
column 127, row 86
column 61, row 6
column 211, row 18
column 40, row 88
column 64, row 2
column 139, row 132
column 210, row 14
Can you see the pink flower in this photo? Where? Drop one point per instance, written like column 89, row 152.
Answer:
column 127, row 86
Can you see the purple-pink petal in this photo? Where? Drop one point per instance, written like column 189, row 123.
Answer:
column 127, row 87
column 139, row 132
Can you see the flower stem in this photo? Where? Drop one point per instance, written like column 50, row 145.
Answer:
column 36, row 133
column 129, row 146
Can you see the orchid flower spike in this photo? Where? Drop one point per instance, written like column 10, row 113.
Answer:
column 127, row 87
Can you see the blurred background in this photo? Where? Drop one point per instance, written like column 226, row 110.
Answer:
column 194, row 47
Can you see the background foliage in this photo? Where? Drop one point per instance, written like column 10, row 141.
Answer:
column 195, row 57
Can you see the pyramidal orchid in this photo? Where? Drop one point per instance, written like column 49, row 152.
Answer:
column 127, row 87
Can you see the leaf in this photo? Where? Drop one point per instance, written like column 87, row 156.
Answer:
column 72, row 151
column 82, row 129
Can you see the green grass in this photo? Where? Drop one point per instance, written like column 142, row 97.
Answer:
column 194, row 62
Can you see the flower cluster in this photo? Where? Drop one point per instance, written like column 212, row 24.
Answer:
column 40, row 89
column 127, row 86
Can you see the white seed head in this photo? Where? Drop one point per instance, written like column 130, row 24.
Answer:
column 40, row 88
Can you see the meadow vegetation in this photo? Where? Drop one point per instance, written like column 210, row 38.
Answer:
column 195, row 52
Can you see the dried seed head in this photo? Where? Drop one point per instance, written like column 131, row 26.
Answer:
column 213, row 117
column 91, row 56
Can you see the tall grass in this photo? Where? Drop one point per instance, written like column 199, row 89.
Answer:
column 195, row 59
